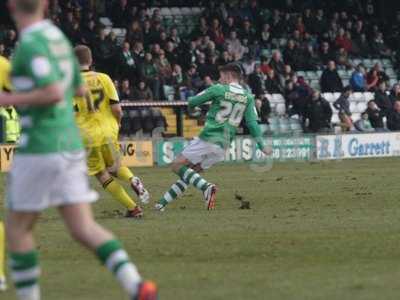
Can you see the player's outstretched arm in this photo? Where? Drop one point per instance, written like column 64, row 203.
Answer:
column 49, row 94
column 202, row 97
column 251, row 118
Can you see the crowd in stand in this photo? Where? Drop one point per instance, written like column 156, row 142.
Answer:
column 152, row 56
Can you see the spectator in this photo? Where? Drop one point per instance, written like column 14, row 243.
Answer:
column 265, row 36
column 379, row 48
column 326, row 54
column 342, row 104
column 234, row 46
column 192, row 82
column 226, row 58
column 361, row 46
column 138, row 54
column 273, row 83
column 150, row 75
column 174, row 37
column 319, row 113
column 277, row 64
column 163, row 66
column 126, row 63
column 375, row 116
column 292, row 54
column 343, row 40
column 247, row 32
column 393, row 119
column 120, row 13
column 372, row 80
column 265, row 68
column 177, row 75
column 382, row 99
column 257, row 81
column 330, row 81
column 142, row 92
column 229, row 26
column 264, row 109
column 363, row 124
column 126, row 91
column 381, row 74
column 216, row 34
column 171, row 53
column 296, row 99
column 357, row 80
column 135, row 32
column 310, row 59
column 103, row 52
column 395, row 93
column 342, row 58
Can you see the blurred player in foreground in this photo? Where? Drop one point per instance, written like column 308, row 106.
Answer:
column 5, row 86
column 98, row 116
column 49, row 168
column 230, row 102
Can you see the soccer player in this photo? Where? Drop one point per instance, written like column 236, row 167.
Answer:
column 230, row 102
column 5, row 86
column 49, row 168
column 98, row 116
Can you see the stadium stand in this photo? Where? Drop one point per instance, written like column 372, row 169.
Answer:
column 175, row 48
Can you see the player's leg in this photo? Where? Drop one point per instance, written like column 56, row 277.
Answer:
column 118, row 193
column 83, row 228
column 198, row 155
column 96, row 162
column 112, row 157
column 176, row 190
column 23, row 257
column 3, row 285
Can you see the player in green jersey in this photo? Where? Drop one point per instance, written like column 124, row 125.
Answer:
column 230, row 102
column 49, row 168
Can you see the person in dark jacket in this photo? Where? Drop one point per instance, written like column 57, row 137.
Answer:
column 319, row 113
column 393, row 119
column 375, row 116
column 382, row 99
column 343, row 105
column 330, row 81
column 264, row 109
column 273, row 83
column 257, row 81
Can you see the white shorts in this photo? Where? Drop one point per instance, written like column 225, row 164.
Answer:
column 204, row 153
column 39, row 181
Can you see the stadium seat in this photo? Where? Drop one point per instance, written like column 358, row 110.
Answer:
column 330, row 97
column 105, row 21
column 280, row 109
column 186, row 11
column 353, row 107
column 176, row 11
column 165, row 11
column 361, row 107
column 135, row 121
column 147, row 120
column 368, row 96
column 169, row 92
column 277, row 98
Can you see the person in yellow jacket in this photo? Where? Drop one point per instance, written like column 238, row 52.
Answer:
column 5, row 86
column 11, row 124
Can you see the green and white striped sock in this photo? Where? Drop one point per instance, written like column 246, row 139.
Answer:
column 176, row 190
column 115, row 258
column 25, row 273
column 191, row 177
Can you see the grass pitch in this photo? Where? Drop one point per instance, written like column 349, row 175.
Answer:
column 314, row 231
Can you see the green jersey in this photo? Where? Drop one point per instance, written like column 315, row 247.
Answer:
column 43, row 57
column 229, row 105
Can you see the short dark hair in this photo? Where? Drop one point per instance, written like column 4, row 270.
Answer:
column 28, row 6
column 233, row 68
column 84, row 54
